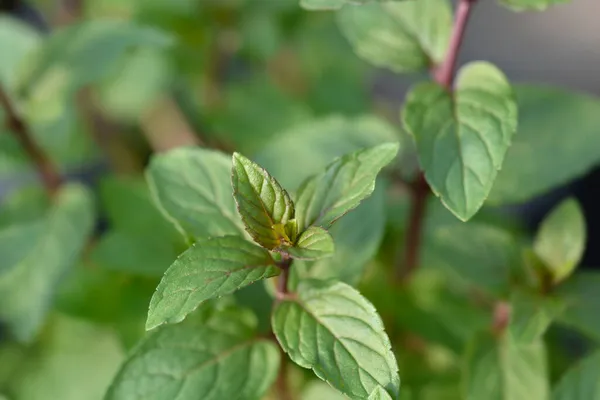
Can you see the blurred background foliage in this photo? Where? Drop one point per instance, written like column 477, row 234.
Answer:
column 103, row 84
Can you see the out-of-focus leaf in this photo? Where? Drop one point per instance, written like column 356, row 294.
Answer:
column 532, row 166
column 332, row 329
column 211, row 268
column 211, row 356
column 24, row 205
column 531, row 316
column 475, row 254
column 138, row 255
column 261, row 201
column 582, row 303
column 332, row 4
column 462, row 137
column 143, row 76
column 500, row 368
column 73, row 360
column 35, row 257
column 327, row 196
column 17, row 39
column 561, row 239
column 255, row 112
column 531, row 5
column 112, row 299
column 403, row 36
column 358, row 235
column 581, row 382
column 192, row 186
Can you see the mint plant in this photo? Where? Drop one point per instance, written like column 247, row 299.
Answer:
column 205, row 200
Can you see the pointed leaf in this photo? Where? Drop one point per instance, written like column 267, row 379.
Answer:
column 380, row 394
column 212, row 356
column 261, row 201
column 402, row 36
column 560, row 241
column 327, row 196
column 192, row 188
column 36, row 255
column 582, row 303
column 332, row 329
column 332, row 4
column 581, row 382
column 498, row 368
column 313, row 244
column 531, row 316
column 210, row 268
column 462, row 137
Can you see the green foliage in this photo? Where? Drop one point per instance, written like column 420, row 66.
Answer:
column 149, row 275
column 582, row 381
column 404, row 36
column 501, row 368
column 210, row 268
column 332, row 329
column 528, row 5
column 192, row 189
column 561, row 239
column 36, row 255
column 530, row 168
column 327, row 196
column 261, row 202
column 213, row 355
column 462, row 138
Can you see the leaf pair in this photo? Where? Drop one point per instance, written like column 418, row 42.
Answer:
column 218, row 266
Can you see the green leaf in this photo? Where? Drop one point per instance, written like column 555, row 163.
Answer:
column 580, row 294
column 212, row 356
column 192, row 188
column 327, row 196
column 404, row 37
column 531, row 5
column 36, row 255
column 139, row 255
column 211, row 268
column 17, row 39
column 261, row 201
column 531, row 316
column 358, row 235
column 73, row 360
column 499, row 368
column 380, row 394
column 462, row 137
column 314, row 243
column 332, row 329
column 318, row 390
column 473, row 254
column 581, row 382
column 545, row 114
column 560, row 241
column 82, row 53
column 332, row 4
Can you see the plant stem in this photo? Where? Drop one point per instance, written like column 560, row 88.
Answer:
column 282, row 283
column 46, row 169
column 419, row 192
column 282, row 386
column 502, row 314
column 444, row 75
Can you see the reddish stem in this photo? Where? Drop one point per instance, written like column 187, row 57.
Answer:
column 444, row 73
column 282, row 283
column 502, row 315
column 47, row 171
